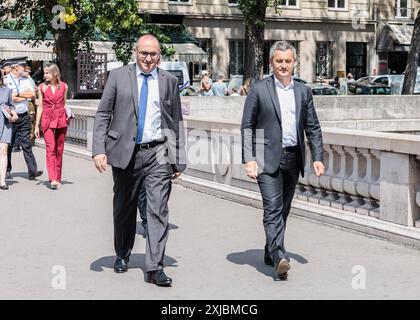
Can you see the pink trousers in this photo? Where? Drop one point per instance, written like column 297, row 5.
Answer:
column 54, row 141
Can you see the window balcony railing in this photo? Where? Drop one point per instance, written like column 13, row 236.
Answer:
column 403, row 13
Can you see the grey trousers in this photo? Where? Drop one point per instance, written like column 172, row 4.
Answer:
column 277, row 192
column 147, row 168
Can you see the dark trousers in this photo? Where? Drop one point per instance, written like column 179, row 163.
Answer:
column 149, row 169
column 277, row 192
column 142, row 205
column 21, row 129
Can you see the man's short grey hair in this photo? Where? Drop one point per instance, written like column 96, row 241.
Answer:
column 282, row 46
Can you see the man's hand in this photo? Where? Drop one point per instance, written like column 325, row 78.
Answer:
column 251, row 169
column 176, row 175
column 100, row 162
column 14, row 116
column 318, row 168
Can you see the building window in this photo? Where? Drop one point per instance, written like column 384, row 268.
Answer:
column 356, row 56
column 267, row 47
column 289, row 3
column 236, row 56
column 402, row 9
column 324, row 60
column 233, row 2
column 205, row 45
column 337, row 4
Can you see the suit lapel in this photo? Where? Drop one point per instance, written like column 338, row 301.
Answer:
column 271, row 86
column 161, row 85
column 134, row 88
column 298, row 97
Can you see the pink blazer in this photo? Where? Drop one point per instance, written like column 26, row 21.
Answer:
column 54, row 113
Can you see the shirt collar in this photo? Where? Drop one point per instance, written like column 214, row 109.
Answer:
column 16, row 78
column 281, row 86
column 153, row 73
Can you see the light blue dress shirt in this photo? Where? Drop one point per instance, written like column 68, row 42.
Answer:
column 19, row 85
column 152, row 126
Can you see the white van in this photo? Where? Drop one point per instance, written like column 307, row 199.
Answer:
column 178, row 69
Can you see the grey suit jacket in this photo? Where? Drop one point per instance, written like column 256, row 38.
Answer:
column 261, row 126
column 115, row 126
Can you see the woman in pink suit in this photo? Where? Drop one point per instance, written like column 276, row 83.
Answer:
column 52, row 115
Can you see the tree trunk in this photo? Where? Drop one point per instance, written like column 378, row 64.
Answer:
column 66, row 60
column 254, row 45
column 413, row 60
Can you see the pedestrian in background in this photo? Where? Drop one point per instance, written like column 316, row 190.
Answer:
column 21, row 128
column 7, row 116
column 52, row 115
column 219, row 88
column 205, row 84
column 245, row 87
column 31, row 103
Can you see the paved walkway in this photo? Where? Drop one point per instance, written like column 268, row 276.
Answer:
column 214, row 249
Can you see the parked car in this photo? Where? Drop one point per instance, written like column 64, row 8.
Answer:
column 323, row 90
column 362, row 88
column 317, row 89
column 180, row 70
column 395, row 81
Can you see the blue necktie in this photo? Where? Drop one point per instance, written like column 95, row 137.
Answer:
column 142, row 107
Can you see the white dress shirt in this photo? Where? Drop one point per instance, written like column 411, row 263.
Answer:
column 152, row 126
column 288, row 112
column 19, row 85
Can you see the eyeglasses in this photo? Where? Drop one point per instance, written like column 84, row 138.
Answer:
column 144, row 54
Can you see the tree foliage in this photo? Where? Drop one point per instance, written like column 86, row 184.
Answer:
column 254, row 14
column 85, row 20
column 413, row 59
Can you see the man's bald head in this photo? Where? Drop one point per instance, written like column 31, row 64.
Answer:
column 148, row 39
column 147, row 53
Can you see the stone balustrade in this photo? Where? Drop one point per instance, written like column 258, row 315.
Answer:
column 372, row 176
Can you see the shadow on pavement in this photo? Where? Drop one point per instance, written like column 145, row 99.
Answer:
column 19, row 175
column 255, row 258
column 47, row 183
column 136, row 262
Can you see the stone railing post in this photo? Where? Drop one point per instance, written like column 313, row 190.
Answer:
column 89, row 131
column 368, row 187
column 337, row 182
column 359, row 168
column 399, row 184
column 331, row 163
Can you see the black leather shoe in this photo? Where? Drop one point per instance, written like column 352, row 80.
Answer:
column 36, row 175
column 5, row 187
column 159, row 278
column 121, row 265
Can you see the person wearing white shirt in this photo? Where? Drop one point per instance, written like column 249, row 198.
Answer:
column 278, row 112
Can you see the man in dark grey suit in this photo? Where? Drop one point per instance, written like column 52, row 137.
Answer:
column 138, row 130
column 276, row 114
